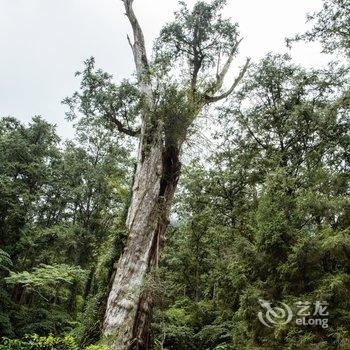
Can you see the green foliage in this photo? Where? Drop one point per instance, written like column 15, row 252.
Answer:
column 197, row 43
column 5, row 260
column 35, row 342
column 100, row 101
column 330, row 26
column 45, row 279
column 96, row 347
column 200, row 30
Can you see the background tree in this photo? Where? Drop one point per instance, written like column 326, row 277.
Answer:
column 330, row 26
column 58, row 208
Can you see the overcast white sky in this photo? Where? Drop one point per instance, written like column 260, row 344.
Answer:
column 43, row 43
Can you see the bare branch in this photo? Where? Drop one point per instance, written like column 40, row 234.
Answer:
column 218, row 66
column 221, row 76
column 130, row 43
column 121, row 127
column 139, row 47
column 210, row 99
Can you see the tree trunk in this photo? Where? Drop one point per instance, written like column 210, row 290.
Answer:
column 127, row 318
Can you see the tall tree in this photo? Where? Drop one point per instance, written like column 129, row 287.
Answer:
column 192, row 57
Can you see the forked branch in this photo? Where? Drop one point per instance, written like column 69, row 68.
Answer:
column 210, row 99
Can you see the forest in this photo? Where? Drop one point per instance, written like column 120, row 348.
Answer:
column 135, row 235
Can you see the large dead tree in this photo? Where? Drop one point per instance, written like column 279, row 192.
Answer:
column 192, row 57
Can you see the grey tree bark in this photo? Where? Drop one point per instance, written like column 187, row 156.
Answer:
column 127, row 316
